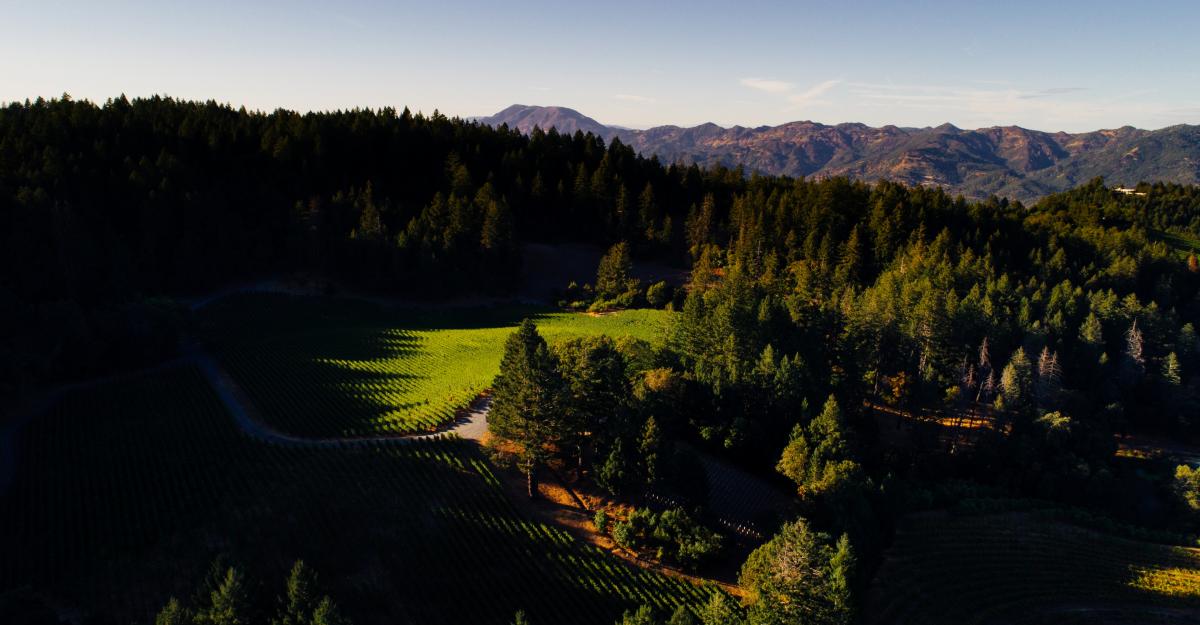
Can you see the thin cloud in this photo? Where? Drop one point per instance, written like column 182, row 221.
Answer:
column 1053, row 91
column 810, row 96
column 977, row 106
column 628, row 97
column 768, row 85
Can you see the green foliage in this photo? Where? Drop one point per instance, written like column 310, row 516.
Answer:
column 799, row 576
column 642, row 616
column 721, row 610
column 228, row 603
column 327, row 613
column 682, row 616
column 613, row 278
column 601, row 521
column 617, row 471
column 820, row 458
column 1016, row 384
column 528, row 399
column 1187, row 488
column 174, row 613
column 672, row 535
column 659, row 294
column 300, row 605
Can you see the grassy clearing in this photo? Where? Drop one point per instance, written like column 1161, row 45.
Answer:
column 125, row 493
column 324, row 367
column 1018, row 567
column 1179, row 241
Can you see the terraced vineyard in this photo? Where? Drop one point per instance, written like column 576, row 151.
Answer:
column 1017, row 568
column 125, row 493
column 321, row 367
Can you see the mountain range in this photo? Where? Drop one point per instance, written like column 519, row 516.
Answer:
column 1008, row 161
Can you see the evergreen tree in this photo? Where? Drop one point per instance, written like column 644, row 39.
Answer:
column 228, row 604
column 296, row 607
column 527, row 400
column 1016, row 384
column 819, row 458
column 793, row 578
column 327, row 613
column 174, row 614
column 612, row 275
column 642, row 616
column 1171, row 373
column 841, row 586
column 682, row 616
column 721, row 610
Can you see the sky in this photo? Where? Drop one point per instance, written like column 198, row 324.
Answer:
column 1052, row 65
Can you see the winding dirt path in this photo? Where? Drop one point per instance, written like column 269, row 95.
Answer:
column 470, row 424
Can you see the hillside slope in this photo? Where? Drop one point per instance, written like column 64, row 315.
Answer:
column 1009, row 161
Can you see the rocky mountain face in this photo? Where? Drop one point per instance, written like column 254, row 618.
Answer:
column 1008, row 161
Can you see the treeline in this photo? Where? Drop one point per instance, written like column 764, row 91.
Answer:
column 102, row 206
column 164, row 196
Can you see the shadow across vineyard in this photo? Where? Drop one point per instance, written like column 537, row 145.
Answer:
column 126, row 492
column 324, row 367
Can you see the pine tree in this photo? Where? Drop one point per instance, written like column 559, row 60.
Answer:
column 498, row 233
column 793, row 578
column 648, row 213
column 681, row 616
column 1172, row 373
column 612, row 275
column 296, row 607
column 370, row 223
column 720, row 610
column 174, row 614
column 819, row 458
column 1016, row 383
column 527, row 400
column 850, row 267
column 327, row 613
column 228, row 603
column 843, row 567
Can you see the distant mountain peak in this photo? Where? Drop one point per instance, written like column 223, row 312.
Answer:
column 525, row 117
column 1009, row 161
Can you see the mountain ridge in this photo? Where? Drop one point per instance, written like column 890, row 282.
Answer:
column 1008, row 161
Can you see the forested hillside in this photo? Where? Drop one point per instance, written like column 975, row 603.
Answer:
column 105, row 205
column 841, row 334
column 102, row 206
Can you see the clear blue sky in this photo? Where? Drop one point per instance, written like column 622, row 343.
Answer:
column 1051, row 65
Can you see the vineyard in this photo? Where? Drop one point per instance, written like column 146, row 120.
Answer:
column 126, row 493
column 333, row 368
column 1020, row 568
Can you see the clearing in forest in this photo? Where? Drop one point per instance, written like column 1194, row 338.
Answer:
column 324, row 367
